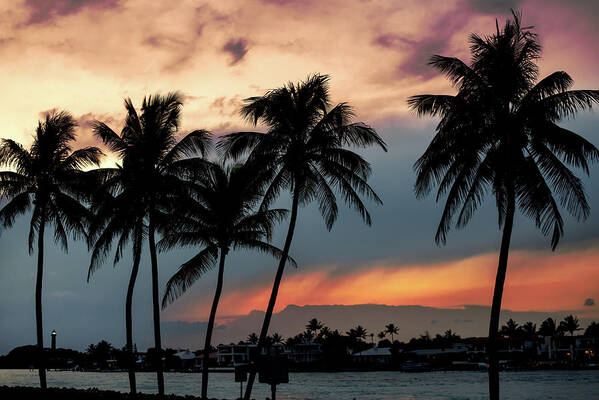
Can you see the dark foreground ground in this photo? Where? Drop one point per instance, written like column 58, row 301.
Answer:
column 23, row 392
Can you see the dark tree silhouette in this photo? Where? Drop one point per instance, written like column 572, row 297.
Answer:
column 48, row 179
column 548, row 328
column 391, row 329
column 529, row 329
column 499, row 134
column 313, row 325
column 138, row 195
column 570, row 324
column 305, row 150
column 219, row 217
column 511, row 329
column 252, row 338
column 277, row 338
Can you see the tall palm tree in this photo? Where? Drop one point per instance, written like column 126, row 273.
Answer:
column 529, row 329
column 277, row 338
column 154, row 165
column 511, row 329
column 391, row 329
column 381, row 335
column 306, row 150
column 313, row 325
column 548, row 327
column 252, row 338
column 570, row 324
column 499, row 133
column 48, row 179
column 220, row 218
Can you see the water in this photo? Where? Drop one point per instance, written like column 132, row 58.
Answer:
column 522, row 385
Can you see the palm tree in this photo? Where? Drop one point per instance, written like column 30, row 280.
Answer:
column 48, row 179
column 358, row 333
column 252, row 338
column 570, row 324
column 324, row 332
column 391, row 329
column 313, row 325
column 511, row 329
column 306, row 149
column 381, row 335
column 499, row 134
column 277, row 338
column 548, row 328
column 529, row 329
column 219, row 217
column 154, row 163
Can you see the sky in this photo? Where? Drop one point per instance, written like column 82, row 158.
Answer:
column 86, row 56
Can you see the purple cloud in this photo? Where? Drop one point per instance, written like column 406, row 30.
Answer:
column 46, row 10
column 238, row 48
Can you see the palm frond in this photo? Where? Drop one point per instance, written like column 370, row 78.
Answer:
column 188, row 273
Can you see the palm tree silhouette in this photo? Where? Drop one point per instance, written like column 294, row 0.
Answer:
column 48, row 179
column 150, row 178
column 570, row 324
column 381, row 335
column 305, row 150
column 220, row 218
column 548, row 327
column 391, row 329
column 252, row 338
column 499, row 134
column 277, row 338
column 511, row 329
column 529, row 329
column 313, row 325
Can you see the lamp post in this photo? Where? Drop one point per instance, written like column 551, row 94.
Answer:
column 53, row 340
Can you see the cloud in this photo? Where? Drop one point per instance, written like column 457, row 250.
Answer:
column 42, row 11
column 589, row 302
column 237, row 48
column 416, row 50
column 494, row 6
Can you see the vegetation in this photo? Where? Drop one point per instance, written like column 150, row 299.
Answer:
column 137, row 197
column 48, row 180
column 499, row 134
column 219, row 216
column 305, row 150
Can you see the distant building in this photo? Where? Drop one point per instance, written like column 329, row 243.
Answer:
column 374, row 355
column 305, row 352
column 233, row 354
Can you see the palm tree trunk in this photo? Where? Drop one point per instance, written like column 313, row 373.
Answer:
column 219, row 288
column 497, row 295
column 156, row 309
column 128, row 317
column 38, row 303
column 275, row 290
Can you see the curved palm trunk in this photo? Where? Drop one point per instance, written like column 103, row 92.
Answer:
column 38, row 304
column 219, row 288
column 275, row 290
column 156, row 310
column 497, row 295
column 128, row 318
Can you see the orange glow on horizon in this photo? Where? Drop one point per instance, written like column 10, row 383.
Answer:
column 535, row 281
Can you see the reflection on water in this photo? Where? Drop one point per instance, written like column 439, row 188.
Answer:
column 524, row 385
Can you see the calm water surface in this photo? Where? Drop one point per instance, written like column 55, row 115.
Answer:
column 529, row 385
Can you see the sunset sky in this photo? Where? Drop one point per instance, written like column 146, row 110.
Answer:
column 86, row 56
